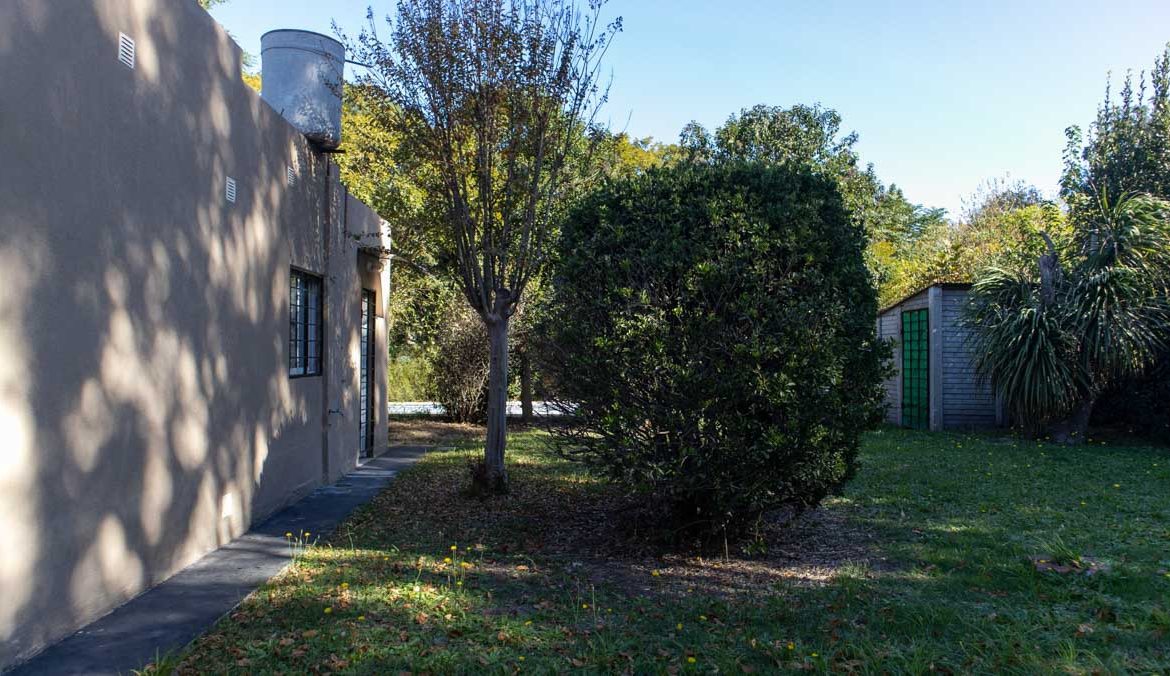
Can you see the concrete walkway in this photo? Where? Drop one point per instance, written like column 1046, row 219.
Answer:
column 167, row 617
column 540, row 409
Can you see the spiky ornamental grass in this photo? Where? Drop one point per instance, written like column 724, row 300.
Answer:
column 1051, row 347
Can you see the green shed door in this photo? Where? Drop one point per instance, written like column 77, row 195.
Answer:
column 915, row 370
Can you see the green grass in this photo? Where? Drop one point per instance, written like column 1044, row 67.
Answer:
column 944, row 581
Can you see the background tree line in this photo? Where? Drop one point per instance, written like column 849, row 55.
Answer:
column 437, row 352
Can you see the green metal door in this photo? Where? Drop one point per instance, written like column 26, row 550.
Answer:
column 915, row 370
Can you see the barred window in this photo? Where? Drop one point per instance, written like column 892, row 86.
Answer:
column 304, row 330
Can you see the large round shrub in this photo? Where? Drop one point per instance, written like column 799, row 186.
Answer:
column 714, row 328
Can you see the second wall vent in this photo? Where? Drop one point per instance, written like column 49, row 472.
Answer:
column 231, row 190
column 126, row 50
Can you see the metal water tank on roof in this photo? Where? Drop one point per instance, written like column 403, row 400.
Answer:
column 302, row 78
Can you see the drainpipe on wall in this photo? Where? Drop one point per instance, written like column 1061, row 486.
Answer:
column 304, row 73
column 326, row 230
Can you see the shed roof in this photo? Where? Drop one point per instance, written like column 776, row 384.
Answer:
column 957, row 286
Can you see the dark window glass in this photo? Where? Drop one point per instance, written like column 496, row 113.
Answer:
column 304, row 330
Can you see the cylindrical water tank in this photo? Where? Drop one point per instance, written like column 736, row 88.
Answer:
column 302, row 78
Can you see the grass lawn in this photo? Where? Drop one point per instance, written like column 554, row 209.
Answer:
column 923, row 565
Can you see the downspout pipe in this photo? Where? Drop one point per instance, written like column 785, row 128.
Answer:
column 326, row 326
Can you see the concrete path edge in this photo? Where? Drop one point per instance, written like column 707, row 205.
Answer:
column 167, row 617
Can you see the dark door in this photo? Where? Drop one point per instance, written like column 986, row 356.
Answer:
column 366, row 429
column 915, row 370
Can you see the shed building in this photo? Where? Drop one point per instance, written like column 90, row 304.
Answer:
column 935, row 385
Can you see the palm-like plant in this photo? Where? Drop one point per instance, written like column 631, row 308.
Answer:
column 1095, row 312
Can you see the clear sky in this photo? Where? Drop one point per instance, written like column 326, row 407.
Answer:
column 945, row 94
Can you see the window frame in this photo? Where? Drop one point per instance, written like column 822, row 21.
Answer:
column 302, row 318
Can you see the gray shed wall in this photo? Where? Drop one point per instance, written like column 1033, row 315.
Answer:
column 958, row 399
column 966, row 401
column 889, row 328
column 146, row 412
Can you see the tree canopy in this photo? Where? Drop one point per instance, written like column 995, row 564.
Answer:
column 812, row 137
column 491, row 99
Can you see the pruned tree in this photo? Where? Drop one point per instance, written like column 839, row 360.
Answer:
column 495, row 95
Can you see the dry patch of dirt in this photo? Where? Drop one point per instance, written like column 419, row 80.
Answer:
column 810, row 550
column 582, row 527
column 430, row 431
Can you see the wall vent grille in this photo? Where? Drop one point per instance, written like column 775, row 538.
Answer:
column 126, row 50
column 290, row 175
column 231, row 190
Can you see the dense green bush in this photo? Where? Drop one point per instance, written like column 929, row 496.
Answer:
column 408, row 377
column 459, row 364
column 1139, row 406
column 714, row 327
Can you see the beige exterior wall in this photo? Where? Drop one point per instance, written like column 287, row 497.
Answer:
column 146, row 412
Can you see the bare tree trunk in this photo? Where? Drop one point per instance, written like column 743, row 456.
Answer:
column 1051, row 275
column 1074, row 429
column 526, row 386
column 495, row 477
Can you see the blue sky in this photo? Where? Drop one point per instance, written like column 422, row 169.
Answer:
column 944, row 94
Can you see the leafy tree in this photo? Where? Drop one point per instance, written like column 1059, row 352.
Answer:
column 491, row 95
column 1001, row 228
column 1126, row 150
column 377, row 168
column 208, row 4
column 1053, row 338
column 381, row 170
column 811, row 136
column 620, row 156
column 713, row 326
column 459, row 378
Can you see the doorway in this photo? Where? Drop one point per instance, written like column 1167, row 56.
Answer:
column 915, row 370
column 366, row 429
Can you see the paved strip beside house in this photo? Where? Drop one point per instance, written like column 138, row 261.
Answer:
column 172, row 614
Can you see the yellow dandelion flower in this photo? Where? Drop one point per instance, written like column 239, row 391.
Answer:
column 585, row 605
column 447, row 559
column 328, row 610
column 654, row 573
column 361, row 618
column 459, row 583
column 791, row 645
column 814, row 655
column 528, row 623
column 690, row 659
column 521, row 658
column 288, row 535
column 1117, row 485
column 678, row 626
column 454, row 548
column 703, row 618
column 345, row 585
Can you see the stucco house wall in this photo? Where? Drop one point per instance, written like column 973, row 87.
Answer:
column 147, row 415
